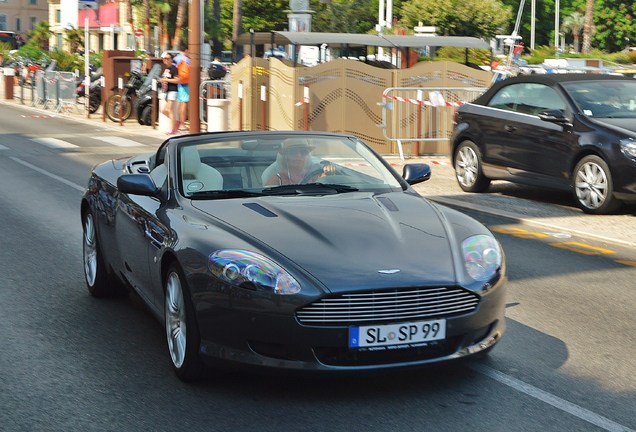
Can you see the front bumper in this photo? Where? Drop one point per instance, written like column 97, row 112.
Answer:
column 280, row 341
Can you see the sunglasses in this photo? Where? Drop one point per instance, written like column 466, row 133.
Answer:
column 297, row 151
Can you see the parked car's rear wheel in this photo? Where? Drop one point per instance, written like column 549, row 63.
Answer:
column 593, row 186
column 182, row 332
column 468, row 168
column 99, row 282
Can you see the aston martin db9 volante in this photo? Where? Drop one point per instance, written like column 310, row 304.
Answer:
column 574, row 132
column 291, row 250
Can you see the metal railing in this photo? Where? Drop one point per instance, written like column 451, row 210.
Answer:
column 416, row 115
column 54, row 88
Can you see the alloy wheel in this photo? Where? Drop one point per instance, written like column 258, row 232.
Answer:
column 466, row 166
column 591, row 185
column 175, row 315
column 90, row 250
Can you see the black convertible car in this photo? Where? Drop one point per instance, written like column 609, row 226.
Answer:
column 573, row 131
column 298, row 250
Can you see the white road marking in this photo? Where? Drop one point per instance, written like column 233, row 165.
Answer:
column 119, row 141
column 48, row 174
column 54, row 143
column 550, row 399
column 3, row 147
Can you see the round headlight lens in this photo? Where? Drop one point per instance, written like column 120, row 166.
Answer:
column 244, row 268
column 482, row 257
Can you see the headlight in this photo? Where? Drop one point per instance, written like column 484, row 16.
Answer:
column 628, row 147
column 250, row 270
column 482, row 257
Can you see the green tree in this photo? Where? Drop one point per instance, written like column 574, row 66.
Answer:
column 482, row 19
column 344, row 16
column 614, row 24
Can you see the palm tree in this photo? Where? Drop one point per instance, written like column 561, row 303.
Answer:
column 237, row 26
column 74, row 37
column 147, row 38
column 41, row 34
column 181, row 12
column 574, row 24
column 163, row 10
column 588, row 26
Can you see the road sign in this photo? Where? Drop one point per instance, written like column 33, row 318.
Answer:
column 88, row 4
column 138, row 32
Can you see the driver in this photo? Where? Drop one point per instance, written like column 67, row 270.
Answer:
column 294, row 164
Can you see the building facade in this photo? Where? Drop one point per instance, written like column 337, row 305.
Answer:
column 109, row 27
column 21, row 16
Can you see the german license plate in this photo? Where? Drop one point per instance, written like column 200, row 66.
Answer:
column 397, row 334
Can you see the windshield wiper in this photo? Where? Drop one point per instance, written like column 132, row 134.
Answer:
column 308, row 189
column 225, row 193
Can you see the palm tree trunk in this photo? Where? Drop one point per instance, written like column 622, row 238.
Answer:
column 217, row 45
column 181, row 11
column 237, row 27
column 147, row 37
column 588, row 26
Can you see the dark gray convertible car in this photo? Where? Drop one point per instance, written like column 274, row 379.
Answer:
column 292, row 250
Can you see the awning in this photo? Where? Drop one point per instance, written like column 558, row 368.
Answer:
column 337, row 40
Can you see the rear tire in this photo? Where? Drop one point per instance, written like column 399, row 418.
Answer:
column 114, row 104
column 99, row 282
column 182, row 331
column 94, row 103
column 468, row 168
column 593, row 186
column 146, row 116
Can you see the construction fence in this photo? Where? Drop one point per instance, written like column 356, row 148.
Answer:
column 386, row 108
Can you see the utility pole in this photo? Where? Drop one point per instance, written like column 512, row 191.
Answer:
column 194, row 46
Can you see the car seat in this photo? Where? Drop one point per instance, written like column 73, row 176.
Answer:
column 198, row 176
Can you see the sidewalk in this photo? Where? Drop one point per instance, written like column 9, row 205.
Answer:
column 551, row 218
column 22, row 98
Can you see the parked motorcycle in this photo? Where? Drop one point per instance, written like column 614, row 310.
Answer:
column 143, row 104
column 123, row 102
column 95, row 90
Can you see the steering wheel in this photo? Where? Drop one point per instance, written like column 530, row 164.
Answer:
column 326, row 170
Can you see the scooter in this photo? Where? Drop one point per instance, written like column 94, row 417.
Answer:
column 143, row 104
column 123, row 102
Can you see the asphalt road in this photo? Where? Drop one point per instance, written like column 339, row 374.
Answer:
column 70, row 362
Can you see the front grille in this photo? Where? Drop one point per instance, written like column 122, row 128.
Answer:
column 391, row 305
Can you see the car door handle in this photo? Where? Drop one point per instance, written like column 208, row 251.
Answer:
column 155, row 238
column 509, row 128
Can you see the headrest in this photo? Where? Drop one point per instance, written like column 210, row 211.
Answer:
column 190, row 160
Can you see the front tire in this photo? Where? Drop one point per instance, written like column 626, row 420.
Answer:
column 468, row 168
column 593, row 186
column 182, row 333
column 99, row 282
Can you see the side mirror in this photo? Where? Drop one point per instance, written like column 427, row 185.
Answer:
column 137, row 184
column 416, row 173
column 553, row 116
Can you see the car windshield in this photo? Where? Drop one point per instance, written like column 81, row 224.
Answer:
column 280, row 165
column 604, row 98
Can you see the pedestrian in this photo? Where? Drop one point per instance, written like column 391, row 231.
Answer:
column 183, row 89
column 170, row 79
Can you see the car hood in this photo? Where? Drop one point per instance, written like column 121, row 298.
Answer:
column 349, row 241
column 622, row 125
